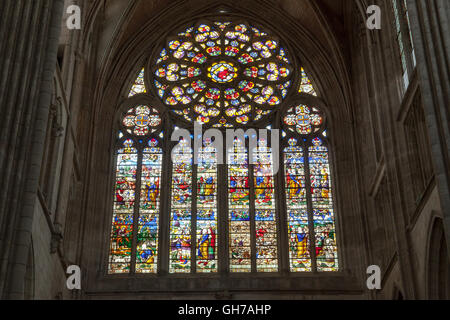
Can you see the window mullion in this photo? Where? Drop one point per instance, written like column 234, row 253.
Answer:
column 282, row 220
column 166, row 188
column 194, row 215
column 251, row 184
column 280, row 204
column 222, row 218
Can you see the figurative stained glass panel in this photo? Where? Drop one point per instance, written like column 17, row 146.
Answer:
column 181, row 209
column 297, row 208
column 124, row 205
column 322, row 206
column 306, row 84
column 139, row 85
column 239, row 209
column 265, row 214
column 137, row 194
column 222, row 74
column 149, row 209
column 207, row 236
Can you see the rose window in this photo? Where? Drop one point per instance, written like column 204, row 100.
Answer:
column 222, row 74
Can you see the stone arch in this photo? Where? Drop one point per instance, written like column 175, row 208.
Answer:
column 397, row 293
column 437, row 262
column 120, row 66
column 131, row 54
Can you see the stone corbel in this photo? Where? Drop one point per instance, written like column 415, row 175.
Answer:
column 57, row 129
column 57, row 238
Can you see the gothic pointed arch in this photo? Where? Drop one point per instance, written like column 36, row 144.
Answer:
column 136, row 206
column 224, row 73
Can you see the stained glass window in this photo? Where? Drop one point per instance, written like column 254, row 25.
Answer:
column 309, row 199
column 265, row 214
column 124, row 207
column 181, row 209
column 222, row 74
column 141, row 120
column 297, row 208
column 404, row 38
column 252, row 216
column 138, row 86
column 239, row 209
column 207, row 235
column 306, row 84
column 149, row 209
column 303, row 120
column 322, row 206
column 137, row 193
column 198, row 217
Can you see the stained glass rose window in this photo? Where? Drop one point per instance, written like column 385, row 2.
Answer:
column 222, row 74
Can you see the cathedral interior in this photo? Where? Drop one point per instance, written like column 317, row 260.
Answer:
column 93, row 91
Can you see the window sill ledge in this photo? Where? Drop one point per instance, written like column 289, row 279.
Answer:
column 322, row 283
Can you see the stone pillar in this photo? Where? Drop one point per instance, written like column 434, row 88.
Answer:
column 430, row 26
column 29, row 36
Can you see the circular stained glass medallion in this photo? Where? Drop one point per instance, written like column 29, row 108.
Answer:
column 141, row 120
column 303, row 119
column 222, row 72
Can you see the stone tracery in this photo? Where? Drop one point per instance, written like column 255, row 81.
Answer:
column 222, row 74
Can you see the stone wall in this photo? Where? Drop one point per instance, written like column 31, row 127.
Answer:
column 384, row 215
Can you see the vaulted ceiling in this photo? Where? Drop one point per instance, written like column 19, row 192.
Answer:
column 316, row 27
column 324, row 19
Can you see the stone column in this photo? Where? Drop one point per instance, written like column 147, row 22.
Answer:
column 29, row 36
column 430, row 26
